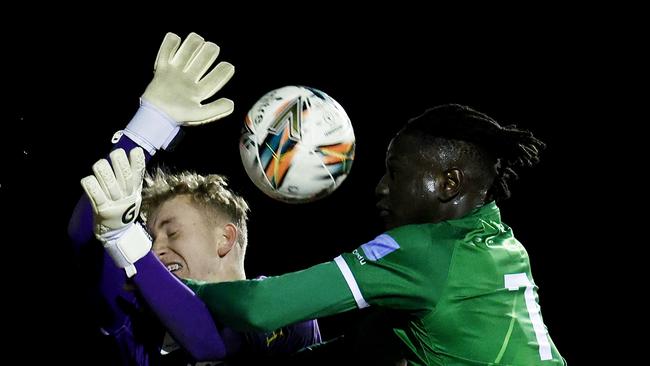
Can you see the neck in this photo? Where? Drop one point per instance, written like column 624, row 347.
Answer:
column 462, row 206
column 233, row 271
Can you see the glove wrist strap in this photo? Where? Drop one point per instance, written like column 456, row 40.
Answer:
column 151, row 128
column 129, row 248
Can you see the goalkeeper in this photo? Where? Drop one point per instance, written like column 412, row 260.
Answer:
column 205, row 204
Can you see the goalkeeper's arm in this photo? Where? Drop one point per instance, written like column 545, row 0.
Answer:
column 154, row 126
column 114, row 191
column 80, row 226
column 172, row 99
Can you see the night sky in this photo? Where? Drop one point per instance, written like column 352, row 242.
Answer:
column 529, row 74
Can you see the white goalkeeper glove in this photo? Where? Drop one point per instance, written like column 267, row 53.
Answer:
column 115, row 196
column 174, row 96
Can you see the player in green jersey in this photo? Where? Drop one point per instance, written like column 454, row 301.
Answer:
column 453, row 285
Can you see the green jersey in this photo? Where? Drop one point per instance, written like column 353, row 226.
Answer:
column 465, row 284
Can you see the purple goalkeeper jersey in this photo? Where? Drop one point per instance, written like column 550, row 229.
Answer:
column 128, row 315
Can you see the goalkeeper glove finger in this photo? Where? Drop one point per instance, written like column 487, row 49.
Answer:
column 115, row 195
column 179, row 86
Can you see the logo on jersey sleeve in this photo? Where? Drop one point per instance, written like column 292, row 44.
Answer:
column 379, row 247
column 273, row 337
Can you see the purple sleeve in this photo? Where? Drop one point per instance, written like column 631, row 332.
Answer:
column 111, row 280
column 182, row 313
column 287, row 340
column 136, row 347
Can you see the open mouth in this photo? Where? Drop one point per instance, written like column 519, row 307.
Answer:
column 174, row 267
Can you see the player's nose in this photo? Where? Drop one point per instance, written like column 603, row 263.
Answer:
column 159, row 248
column 382, row 188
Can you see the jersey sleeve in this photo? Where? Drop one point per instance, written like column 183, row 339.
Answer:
column 107, row 279
column 284, row 341
column 402, row 269
column 116, row 306
column 183, row 314
column 271, row 303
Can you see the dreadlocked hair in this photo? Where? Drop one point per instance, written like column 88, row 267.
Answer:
column 210, row 191
column 508, row 148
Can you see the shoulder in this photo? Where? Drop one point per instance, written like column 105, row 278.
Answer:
column 422, row 236
column 419, row 246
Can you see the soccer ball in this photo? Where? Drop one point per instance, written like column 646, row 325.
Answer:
column 297, row 144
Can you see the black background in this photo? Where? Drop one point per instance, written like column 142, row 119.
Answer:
column 76, row 82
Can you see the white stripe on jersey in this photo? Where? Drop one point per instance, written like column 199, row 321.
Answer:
column 352, row 283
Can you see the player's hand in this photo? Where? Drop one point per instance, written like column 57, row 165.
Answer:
column 180, row 82
column 115, row 195
column 114, row 192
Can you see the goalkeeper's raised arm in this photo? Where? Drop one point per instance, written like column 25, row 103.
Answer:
column 172, row 100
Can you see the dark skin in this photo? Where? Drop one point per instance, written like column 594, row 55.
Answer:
column 425, row 184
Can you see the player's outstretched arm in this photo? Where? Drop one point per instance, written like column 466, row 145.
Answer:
column 154, row 126
column 183, row 314
column 114, row 191
column 372, row 274
column 180, row 84
column 172, row 99
column 265, row 305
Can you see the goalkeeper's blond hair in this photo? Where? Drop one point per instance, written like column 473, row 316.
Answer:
column 209, row 191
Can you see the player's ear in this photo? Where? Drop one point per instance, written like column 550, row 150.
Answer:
column 230, row 235
column 450, row 184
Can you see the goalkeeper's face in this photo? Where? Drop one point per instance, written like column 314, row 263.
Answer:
column 190, row 242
